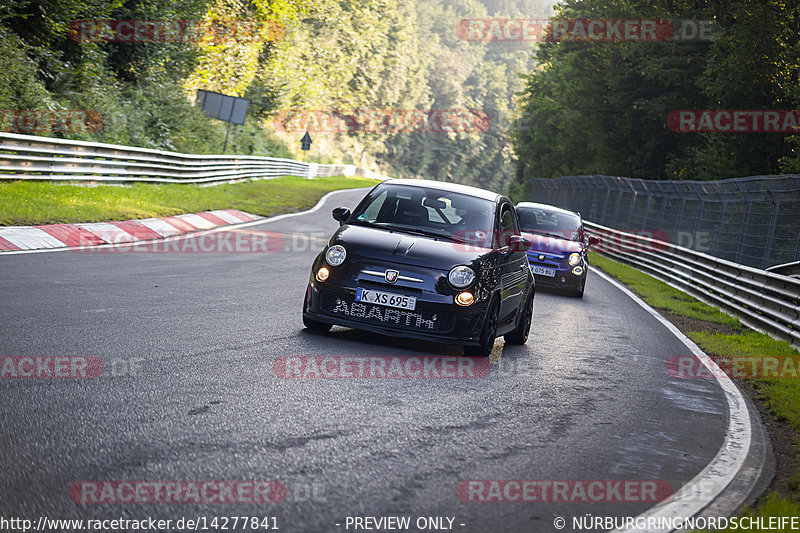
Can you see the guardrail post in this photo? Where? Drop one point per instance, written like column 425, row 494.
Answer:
column 773, row 221
column 718, row 231
column 745, row 224
column 602, row 214
column 647, row 209
column 665, row 201
column 617, row 208
column 699, row 216
column 797, row 251
column 631, row 207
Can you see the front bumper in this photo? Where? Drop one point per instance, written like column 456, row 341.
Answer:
column 564, row 278
column 431, row 320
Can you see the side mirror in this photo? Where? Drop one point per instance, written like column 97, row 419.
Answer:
column 517, row 243
column 340, row 214
column 593, row 241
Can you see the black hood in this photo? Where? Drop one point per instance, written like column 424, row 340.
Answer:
column 403, row 248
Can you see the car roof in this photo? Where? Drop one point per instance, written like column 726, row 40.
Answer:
column 547, row 207
column 447, row 186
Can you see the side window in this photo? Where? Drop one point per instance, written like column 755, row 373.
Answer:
column 508, row 225
column 514, row 221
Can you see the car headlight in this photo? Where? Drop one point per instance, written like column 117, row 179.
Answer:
column 574, row 259
column 461, row 276
column 335, row 255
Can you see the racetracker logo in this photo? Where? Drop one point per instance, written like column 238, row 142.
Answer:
column 91, row 492
column 398, row 367
column 50, row 367
column 175, row 31
column 571, row 490
column 736, row 367
column 583, row 30
column 38, row 121
column 734, row 121
column 390, row 121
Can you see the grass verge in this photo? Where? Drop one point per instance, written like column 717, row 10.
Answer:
column 28, row 203
column 720, row 335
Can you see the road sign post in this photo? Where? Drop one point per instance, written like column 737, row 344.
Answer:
column 305, row 144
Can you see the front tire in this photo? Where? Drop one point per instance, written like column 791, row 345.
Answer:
column 520, row 334
column 579, row 292
column 488, row 334
column 314, row 325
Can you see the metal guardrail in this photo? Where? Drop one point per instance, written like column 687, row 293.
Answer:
column 789, row 269
column 763, row 300
column 28, row 157
column 752, row 221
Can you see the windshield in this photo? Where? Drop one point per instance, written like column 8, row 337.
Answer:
column 551, row 223
column 427, row 211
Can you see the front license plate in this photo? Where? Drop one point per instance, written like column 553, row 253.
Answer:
column 549, row 272
column 386, row 298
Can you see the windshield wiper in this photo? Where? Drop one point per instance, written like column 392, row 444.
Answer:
column 424, row 232
column 413, row 231
column 366, row 223
column 419, row 232
column 546, row 234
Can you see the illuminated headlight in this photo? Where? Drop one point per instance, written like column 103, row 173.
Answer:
column 577, row 271
column 322, row 274
column 574, row 259
column 335, row 255
column 461, row 276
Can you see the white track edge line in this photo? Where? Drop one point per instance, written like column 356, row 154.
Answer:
column 709, row 483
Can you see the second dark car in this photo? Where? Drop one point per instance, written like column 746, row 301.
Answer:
column 428, row 260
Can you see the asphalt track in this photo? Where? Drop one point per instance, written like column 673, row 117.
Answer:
column 188, row 342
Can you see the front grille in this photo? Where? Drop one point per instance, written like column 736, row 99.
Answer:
column 423, row 318
column 549, row 262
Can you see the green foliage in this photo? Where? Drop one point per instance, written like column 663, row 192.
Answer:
column 395, row 55
column 137, row 88
column 601, row 108
column 19, row 86
column 335, row 55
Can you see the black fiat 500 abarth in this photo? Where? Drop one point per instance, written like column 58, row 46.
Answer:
column 427, row 260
